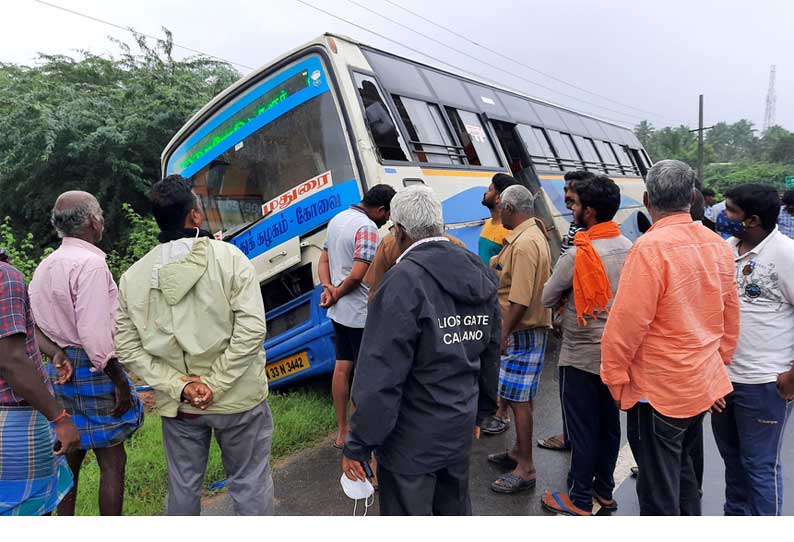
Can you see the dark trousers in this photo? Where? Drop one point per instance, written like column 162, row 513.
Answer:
column 594, row 425
column 749, row 435
column 667, row 451
column 444, row 492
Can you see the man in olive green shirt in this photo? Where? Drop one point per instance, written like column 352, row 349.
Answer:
column 385, row 258
column 191, row 323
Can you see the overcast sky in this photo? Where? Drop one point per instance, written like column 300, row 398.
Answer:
column 654, row 56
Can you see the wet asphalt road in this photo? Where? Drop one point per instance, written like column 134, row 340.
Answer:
column 308, row 483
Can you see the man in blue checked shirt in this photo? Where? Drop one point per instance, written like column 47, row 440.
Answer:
column 785, row 219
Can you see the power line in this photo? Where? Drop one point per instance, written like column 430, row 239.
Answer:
column 520, row 63
column 495, row 67
column 427, row 55
column 130, row 29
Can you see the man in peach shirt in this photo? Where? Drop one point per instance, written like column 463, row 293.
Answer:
column 672, row 329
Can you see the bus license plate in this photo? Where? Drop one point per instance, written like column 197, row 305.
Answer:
column 287, row 366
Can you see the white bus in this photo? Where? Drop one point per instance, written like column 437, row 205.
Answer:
column 275, row 156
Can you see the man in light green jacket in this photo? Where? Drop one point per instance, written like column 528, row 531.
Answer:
column 191, row 324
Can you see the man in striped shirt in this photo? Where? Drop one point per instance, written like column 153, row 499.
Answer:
column 561, row 442
column 571, row 178
column 349, row 249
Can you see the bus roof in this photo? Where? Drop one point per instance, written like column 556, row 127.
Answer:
column 321, row 41
column 480, row 81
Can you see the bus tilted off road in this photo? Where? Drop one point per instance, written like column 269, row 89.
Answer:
column 275, row 156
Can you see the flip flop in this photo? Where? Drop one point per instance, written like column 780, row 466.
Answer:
column 503, row 460
column 337, row 446
column 560, row 503
column 610, row 505
column 510, row 483
column 544, row 443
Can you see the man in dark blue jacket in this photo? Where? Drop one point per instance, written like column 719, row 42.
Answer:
column 428, row 367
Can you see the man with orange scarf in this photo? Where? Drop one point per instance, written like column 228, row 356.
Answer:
column 590, row 271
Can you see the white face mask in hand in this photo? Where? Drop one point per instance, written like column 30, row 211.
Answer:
column 358, row 490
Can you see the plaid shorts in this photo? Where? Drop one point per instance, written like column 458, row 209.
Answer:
column 90, row 398
column 519, row 373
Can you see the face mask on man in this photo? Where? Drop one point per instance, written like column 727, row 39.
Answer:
column 729, row 227
column 357, row 490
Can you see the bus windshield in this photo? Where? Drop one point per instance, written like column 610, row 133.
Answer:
column 274, row 144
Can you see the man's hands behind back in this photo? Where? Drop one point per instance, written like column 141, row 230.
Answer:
column 196, row 393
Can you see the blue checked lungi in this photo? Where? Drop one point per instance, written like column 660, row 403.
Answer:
column 90, row 397
column 519, row 373
column 33, row 480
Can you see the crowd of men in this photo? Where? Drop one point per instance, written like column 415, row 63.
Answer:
column 438, row 344
column 187, row 318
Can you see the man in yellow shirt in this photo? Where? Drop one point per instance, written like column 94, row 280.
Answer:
column 523, row 266
column 491, row 240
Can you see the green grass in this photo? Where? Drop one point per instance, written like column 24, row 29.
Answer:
column 301, row 418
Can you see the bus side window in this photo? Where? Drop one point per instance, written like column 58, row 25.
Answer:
column 380, row 122
column 588, row 152
column 538, row 147
column 428, row 132
column 625, row 160
column 472, row 135
column 608, row 157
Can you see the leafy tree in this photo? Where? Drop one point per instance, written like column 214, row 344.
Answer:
column 97, row 124
column 19, row 249
column 733, row 153
column 677, row 143
column 645, row 133
column 734, row 142
column 723, row 176
column 778, row 145
column 141, row 239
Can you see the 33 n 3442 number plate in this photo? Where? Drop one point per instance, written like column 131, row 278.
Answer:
column 287, row 366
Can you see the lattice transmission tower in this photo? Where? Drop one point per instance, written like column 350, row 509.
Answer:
column 771, row 99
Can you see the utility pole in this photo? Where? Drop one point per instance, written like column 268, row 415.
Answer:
column 700, row 144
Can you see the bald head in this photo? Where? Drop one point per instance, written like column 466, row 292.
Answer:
column 78, row 214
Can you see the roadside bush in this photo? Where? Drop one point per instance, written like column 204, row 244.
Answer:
column 20, row 249
column 141, row 239
column 23, row 254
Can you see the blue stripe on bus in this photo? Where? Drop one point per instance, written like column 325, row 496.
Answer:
column 465, row 207
column 555, row 190
column 468, row 236
column 319, row 87
column 300, row 218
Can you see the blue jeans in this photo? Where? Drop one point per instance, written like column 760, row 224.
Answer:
column 749, row 435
